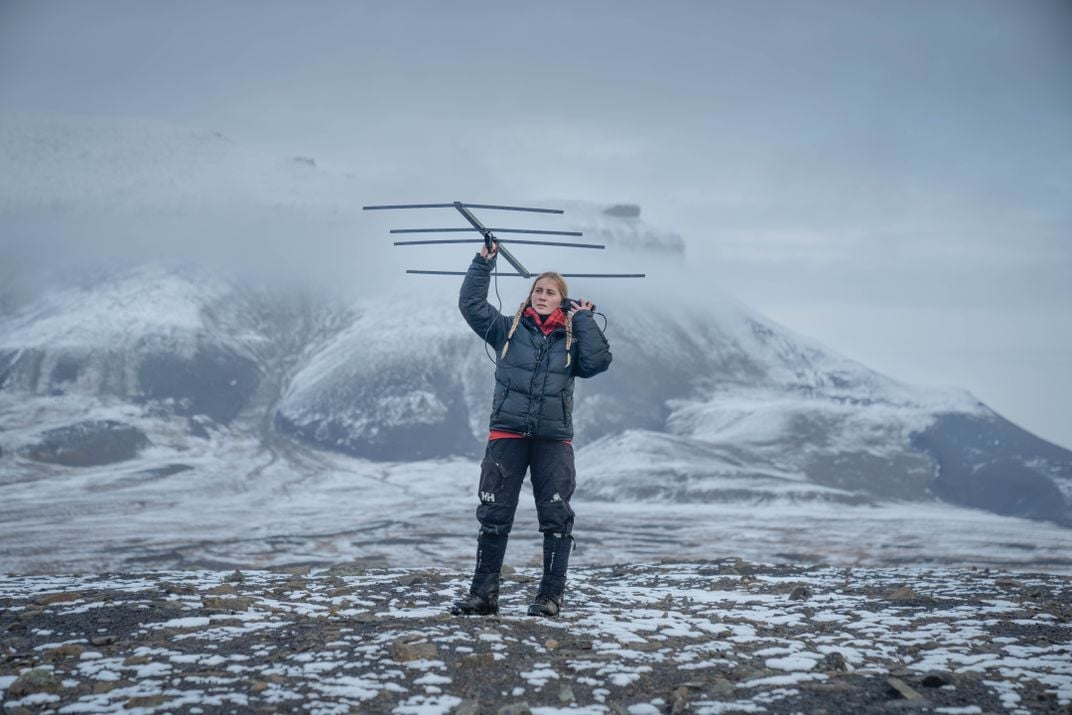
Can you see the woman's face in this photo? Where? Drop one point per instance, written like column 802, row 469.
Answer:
column 545, row 297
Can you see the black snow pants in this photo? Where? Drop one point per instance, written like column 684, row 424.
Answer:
column 553, row 475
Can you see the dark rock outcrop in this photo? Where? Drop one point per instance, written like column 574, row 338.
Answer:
column 990, row 463
column 7, row 359
column 623, row 211
column 88, row 444
column 215, row 382
column 392, row 417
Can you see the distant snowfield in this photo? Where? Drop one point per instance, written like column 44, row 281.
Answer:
column 240, row 505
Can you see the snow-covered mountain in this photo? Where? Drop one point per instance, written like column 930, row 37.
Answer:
column 706, row 402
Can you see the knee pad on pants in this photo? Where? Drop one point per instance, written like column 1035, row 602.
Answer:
column 495, row 518
column 555, row 517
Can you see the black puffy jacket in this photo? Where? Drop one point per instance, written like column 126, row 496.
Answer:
column 533, row 384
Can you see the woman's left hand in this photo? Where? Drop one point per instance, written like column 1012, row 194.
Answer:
column 581, row 305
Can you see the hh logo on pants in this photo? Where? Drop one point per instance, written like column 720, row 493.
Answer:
column 487, row 497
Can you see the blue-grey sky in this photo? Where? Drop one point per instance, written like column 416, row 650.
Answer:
column 893, row 178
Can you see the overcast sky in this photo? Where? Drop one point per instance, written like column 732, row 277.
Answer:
column 892, row 178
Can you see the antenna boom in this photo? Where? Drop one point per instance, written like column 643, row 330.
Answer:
column 456, row 204
column 497, row 230
column 429, row 241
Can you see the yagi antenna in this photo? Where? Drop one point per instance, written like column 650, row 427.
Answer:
column 488, row 235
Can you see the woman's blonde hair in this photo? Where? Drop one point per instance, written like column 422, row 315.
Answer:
column 563, row 289
column 556, row 278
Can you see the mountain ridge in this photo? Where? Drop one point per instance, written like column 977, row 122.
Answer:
column 394, row 374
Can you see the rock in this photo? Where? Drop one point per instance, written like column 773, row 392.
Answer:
column 358, row 567
column 478, row 660
column 70, row 650
column 236, row 577
column 227, row 604
column 87, row 444
column 623, row 210
column 1008, row 583
column 466, row 707
column 415, row 577
column 33, row 681
column 258, row 686
column 645, row 646
column 103, row 640
column 224, row 589
column 146, row 701
column 903, row 593
column 515, row 709
column 179, row 589
column 387, row 699
column 404, row 652
column 936, row 679
column 551, row 644
column 722, row 686
column 921, row 706
column 828, row 687
column 565, row 694
column 138, row 660
column 834, row 662
column 799, row 593
column 58, row 598
column 296, row 570
column 679, row 700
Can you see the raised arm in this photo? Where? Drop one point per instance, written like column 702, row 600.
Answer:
column 482, row 317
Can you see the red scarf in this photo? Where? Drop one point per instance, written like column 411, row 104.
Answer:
column 557, row 319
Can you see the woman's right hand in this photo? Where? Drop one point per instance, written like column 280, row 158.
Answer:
column 486, row 254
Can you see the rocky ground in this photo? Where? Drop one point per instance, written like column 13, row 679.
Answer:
column 696, row 637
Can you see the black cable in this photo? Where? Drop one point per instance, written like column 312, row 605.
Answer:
column 498, row 297
column 606, row 322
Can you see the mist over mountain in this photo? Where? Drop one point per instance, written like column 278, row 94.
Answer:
column 170, row 299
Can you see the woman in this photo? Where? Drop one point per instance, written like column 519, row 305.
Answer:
column 541, row 349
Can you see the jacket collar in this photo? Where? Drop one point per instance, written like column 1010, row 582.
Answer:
column 557, row 319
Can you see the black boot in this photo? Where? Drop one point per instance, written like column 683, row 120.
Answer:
column 556, row 552
column 483, row 598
